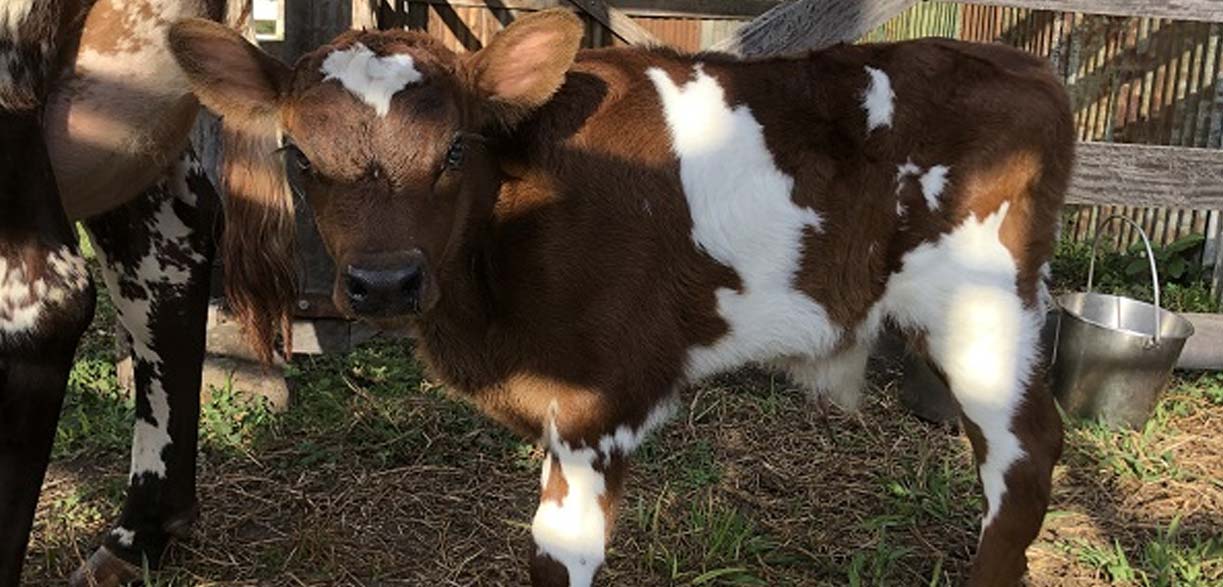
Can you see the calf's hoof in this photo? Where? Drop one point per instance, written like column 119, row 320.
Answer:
column 104, row 569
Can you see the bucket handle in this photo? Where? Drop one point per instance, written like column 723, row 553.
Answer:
column 1091, row 268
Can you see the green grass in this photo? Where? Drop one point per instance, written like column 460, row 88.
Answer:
column 1166, row 560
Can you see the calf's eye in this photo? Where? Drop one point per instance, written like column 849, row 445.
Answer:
column 454, row 157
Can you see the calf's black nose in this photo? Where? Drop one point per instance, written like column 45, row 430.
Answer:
column 383, row 292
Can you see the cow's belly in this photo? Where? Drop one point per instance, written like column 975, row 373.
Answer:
column 122, row 111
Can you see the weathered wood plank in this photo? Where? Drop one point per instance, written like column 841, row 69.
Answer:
column 1204, row 10
column 619, row 23
column 811, row 24
column 713, row 9
column 1142, row 175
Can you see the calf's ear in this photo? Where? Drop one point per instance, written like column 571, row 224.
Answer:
column 525, row 64
column 228, row 74
column 245, row 86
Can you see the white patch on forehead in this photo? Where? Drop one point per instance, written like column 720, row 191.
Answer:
column 372, row 78
column 879, row 100
column 743, row 217
column 932, row 184
column 961, row 291
column 573, row 531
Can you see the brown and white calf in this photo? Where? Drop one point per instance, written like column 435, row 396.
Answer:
column 94, row 117
column 576, row 235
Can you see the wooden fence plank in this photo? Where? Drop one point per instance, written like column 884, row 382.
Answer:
column 705, row 9
column 617, row 21
column 1204, row 10
column 1144, row 175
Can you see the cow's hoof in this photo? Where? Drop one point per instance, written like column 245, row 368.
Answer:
column 104, row 569
column 179, row 527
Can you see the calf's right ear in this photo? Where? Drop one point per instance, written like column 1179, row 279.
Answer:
column 228, row 74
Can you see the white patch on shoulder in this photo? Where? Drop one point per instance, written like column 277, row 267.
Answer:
column 125, row 536
column 573, row 532
column 961, row 291
column 932, row 184
column 879, row 100
column 372, row 78
column 743, row 217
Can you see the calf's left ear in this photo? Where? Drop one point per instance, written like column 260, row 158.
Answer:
column 525, row 64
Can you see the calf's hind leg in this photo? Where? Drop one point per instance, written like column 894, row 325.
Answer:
column 156, row 253
column 962, row 294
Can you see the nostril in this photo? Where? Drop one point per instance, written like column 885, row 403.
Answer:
column 410, row 283
column 356, row 288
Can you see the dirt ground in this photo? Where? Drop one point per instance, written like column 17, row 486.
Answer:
column 376, row 477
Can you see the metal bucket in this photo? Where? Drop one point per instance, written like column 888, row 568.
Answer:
column 1114, row 356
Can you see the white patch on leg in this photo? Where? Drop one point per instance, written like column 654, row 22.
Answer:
column 932, row 184
column 626, row 439
column 961, row 291
column 879, row 100
column 125, row 536
column 372, row 78
column 573, row 532
column 744, row 218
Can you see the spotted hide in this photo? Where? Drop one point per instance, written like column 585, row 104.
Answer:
column 575, row 236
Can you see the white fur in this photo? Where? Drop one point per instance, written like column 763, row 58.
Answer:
column 573, row 532
column 125, row 536
column 13, row 13
column 961, row 291
column 879, row 100
column 372, row 78
column 839, row 378
column 626, row 440
column 744, row 218
column 932, row 184
column 22, row 302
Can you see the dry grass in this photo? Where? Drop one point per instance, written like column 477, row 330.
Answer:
column 376, row 478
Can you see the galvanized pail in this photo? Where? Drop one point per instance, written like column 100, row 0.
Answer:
column 1114, row 355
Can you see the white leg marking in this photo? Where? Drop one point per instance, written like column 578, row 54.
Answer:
column 743, row 217
column 932, row 184
column 372, row 78
column 626, row 440
column 573, row 532
column 125, row 536
column 879, row 100
column 961, row 291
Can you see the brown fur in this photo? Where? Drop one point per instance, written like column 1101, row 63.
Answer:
column 561, row 278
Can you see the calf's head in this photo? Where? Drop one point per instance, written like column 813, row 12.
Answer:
column 382, row 132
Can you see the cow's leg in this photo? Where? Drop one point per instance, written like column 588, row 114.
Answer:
column 987, row 348
column 580, row 488
column 46, row 302
column 156, row 253
column 838, row 379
